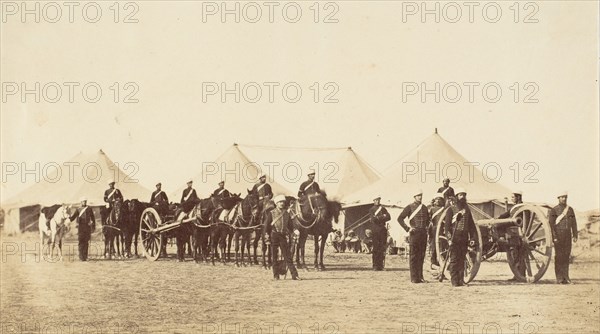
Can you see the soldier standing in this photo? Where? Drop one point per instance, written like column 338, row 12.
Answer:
column 159, row 199
column 564, row 231
column 418, row 218
column 86, row 223
column 434, row 212
column 517, row 199
column 278, row 231
column 310, row 186
column 446, row 190
column 459, row 226
column 379, row 216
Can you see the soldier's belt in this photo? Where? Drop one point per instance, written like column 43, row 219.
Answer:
column 420, row 227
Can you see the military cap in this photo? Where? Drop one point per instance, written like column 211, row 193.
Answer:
column 460, row 191
column 279, row 198
column 562, row 194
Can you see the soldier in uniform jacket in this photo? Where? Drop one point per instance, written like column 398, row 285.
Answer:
column 517, row 199
column 189, row 198
column 459, row 227
column 418, row 218
column 111, row 195
column 435, row 212
column 564, row 231
column 86, row 223
column 159, row 200
column 446, row 190
column 263, row 189
column 221, row 192
column 309, row 186
column 378, row 216
column 277, row 230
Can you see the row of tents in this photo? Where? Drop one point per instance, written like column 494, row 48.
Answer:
column 342, row 174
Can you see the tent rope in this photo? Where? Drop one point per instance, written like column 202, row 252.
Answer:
column 358, row 223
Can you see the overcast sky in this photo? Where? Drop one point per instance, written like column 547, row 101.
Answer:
column 370, row 57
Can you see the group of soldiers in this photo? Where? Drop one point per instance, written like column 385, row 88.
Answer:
column 278, row 223
column 459, row 227
column 416, row 218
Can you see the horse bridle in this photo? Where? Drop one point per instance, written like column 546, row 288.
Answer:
column 298, row 214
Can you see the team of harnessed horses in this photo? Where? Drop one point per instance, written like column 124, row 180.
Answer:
column 213, row 224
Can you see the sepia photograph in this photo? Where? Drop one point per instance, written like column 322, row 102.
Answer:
column 302, row 166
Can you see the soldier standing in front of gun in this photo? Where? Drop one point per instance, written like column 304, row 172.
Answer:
column 521, row 257
column 418, row 218
column 434, row 212
column 379, row 216
column 459, row 226
column 564, row 230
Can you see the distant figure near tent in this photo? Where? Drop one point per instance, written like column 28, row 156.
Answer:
column 379, row 217
column 446, row 190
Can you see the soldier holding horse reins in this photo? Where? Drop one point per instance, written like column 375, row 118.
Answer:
column 278, row 229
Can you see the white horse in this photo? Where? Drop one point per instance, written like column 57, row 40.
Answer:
column 59, row 226
column 45, row 233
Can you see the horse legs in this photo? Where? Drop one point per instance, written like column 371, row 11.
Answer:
column 236, row 237
column 229, row 236
column 181, row 241
column 224, row 244
column 135, row 244
column 255, row 246
column 213, row 246
column 316, row 239
column 321, row 249
column 247, row 244
column 107, row 254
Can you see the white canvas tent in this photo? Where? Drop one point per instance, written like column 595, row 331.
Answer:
column 424, row 168
column 339, row 171
column 235, row 168
column 89, row 178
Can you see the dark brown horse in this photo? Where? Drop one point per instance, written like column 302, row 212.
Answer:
column 112, row 227
column 221, row 227
column 201, row 232
column 313, row 214
column 246, row 221
column 131, row 225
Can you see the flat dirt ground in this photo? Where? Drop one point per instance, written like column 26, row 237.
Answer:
column 138, row 296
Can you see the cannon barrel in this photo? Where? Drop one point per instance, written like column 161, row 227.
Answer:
column 501, row 223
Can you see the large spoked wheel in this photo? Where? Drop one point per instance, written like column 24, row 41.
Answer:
column 151, row 240
column 474, row 254
column 531, row 259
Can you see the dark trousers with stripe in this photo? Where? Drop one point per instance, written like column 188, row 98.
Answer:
column 418, row 246
column 279, row 242
column 84, row 243
column 379, row 243
column 458, row 253
column 563, row 253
